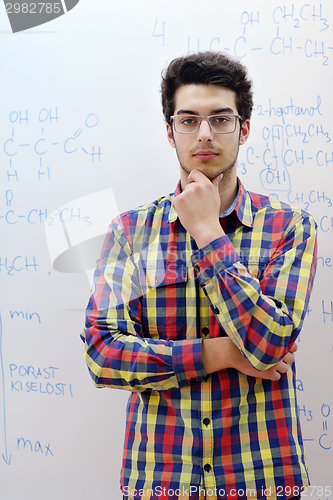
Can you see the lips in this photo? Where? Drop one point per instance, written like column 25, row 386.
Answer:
column 205, row 155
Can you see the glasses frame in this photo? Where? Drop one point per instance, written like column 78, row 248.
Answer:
column 207, row 119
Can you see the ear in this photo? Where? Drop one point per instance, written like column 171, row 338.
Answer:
column 245, row 132
column 170, row 135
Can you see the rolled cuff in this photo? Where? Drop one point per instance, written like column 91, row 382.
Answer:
column 214, row 258
column 187, row 361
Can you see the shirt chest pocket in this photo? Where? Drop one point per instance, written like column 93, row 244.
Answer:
column 164, row 301
column 255, row 265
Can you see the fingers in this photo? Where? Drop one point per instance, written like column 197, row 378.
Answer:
column 271, row 374
column 289, row 358
column 197, row 176
column 216, row 181
column 282, row 366
column 275, row 372
column 276, row 376
column 294, row 347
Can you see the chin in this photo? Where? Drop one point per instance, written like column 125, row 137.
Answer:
column 211, row 172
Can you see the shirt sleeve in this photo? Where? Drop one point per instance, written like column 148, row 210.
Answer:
column 117, row 354
column 263, row 317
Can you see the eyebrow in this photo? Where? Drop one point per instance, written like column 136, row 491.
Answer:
column 213, row 112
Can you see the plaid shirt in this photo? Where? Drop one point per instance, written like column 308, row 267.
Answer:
column 155, row 297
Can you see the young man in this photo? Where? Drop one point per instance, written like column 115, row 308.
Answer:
column 197, row 302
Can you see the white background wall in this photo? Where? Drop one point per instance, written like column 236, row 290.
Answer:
column 68, row 89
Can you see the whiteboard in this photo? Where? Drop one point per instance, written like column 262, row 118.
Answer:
column 69, row 164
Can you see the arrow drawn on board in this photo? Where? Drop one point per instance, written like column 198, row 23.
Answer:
column 4, row 456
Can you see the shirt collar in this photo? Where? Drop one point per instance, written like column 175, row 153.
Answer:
column 243, row 206
column 173, row 214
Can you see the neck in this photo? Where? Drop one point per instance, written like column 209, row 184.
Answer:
column 227, row 190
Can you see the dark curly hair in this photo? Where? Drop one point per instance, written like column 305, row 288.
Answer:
column 207, row 68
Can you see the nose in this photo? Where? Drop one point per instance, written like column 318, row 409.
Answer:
column 205, row 132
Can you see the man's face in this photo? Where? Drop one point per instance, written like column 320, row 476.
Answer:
column 206, row 151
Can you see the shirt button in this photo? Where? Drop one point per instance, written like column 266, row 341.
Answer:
column 207, row 467
column 205, row 330
column 206, row 421
column 216, row 310
column 197, row 269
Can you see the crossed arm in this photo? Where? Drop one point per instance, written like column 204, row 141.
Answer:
column 261, row 336
column 198, row 208
column 221, row 353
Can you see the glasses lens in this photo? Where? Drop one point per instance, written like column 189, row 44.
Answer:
column 223, row 124
column 186, row 124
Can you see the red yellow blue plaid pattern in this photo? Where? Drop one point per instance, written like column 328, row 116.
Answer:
column 155, row 297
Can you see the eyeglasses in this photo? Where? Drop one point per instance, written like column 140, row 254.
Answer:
column 219, row 124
